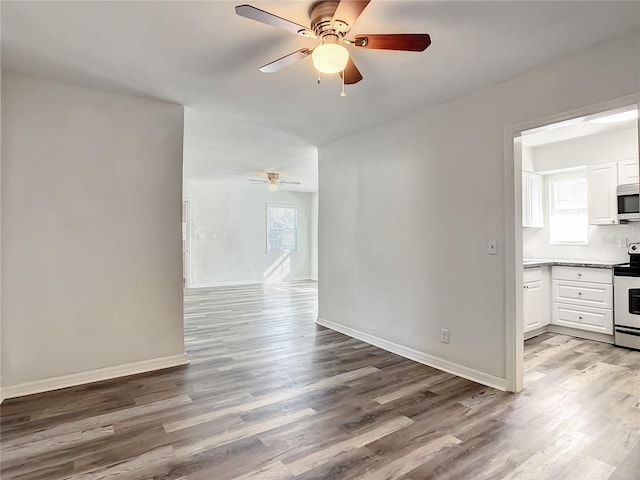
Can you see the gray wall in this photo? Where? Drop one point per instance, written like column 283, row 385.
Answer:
column 404, row 224
column 91, row 241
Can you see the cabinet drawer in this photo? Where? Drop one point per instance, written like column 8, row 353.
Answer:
column 597, row 295
column 583, row 274
column 584, row 318
column 533, row 274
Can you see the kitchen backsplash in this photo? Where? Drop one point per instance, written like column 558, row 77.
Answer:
column 604, row 243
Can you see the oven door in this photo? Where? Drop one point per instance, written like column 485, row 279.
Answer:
column 626, row 337
column 627, row 301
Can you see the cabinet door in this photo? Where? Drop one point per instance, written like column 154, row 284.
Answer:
column 602, row 201
column 526, row 204
column 535, row 197
column 628, row 172
column 599, row 295
column 532, row 200
column 532, row 306
column 583, row 318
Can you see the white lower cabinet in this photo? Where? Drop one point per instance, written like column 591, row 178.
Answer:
column 536, row 298
column 597, row 295
column 583, row 318
column 585, row 304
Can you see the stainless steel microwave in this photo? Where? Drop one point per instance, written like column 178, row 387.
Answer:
column 629, row 202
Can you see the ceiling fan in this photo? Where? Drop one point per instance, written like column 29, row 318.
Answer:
column 331, row 21
column 273, row 181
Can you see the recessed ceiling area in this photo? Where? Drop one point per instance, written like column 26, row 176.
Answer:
column 240, row 121
column 610, row 121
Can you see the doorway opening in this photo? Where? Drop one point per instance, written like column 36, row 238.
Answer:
column 567, row 231
column 186, row 237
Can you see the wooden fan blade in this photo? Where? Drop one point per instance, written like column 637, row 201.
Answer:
column 286, row 61
column 258, row 15
column 253, row 180
column 351, row 73
column 348, row 11
column 413, row 42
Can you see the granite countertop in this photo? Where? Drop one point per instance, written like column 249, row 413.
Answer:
column 539, row 262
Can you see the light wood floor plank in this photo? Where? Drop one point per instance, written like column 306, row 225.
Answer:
column 269, row 395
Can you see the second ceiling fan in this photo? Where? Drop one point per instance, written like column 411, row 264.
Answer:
column 331, row 21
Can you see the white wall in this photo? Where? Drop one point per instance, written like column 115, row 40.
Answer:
column 231, row 218
column 589, row 150
column 603, row 239
column 603, row 243
column 91, row 240
column 406, row 220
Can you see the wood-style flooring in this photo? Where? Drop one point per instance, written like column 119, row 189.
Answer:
column 270, row 395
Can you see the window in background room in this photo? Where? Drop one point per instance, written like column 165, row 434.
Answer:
column 568, row 220
column 282, row 228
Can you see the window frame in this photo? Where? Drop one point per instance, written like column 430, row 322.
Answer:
column 559, row 177
column 296, row 208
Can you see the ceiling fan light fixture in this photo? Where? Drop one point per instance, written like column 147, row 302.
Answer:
column 330, row 58
column 272, row 187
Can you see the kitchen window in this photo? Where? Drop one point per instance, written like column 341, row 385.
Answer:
column 568, row 219
column 282, row 228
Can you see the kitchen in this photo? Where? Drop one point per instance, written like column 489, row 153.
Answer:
column 581, row 228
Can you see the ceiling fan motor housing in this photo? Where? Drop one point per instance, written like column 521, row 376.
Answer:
column 322, row 23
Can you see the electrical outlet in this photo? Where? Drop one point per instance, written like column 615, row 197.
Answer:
column 444, row 335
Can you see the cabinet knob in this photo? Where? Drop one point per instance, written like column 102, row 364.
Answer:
column 579, row 293
column 579, row 274
column 579, row 318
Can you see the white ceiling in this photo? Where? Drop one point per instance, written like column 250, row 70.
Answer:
column 240, row 121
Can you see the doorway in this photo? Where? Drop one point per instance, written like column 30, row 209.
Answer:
column 549, row 215
column 186, row 261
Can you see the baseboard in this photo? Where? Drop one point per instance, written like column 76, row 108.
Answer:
column 91, row 376
column 224, row 284
column 245, row 282
column 420, row 357
column 574, row 332
column 535, row 332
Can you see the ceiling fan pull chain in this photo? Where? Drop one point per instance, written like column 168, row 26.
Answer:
column 318, row 77
column 343, row 93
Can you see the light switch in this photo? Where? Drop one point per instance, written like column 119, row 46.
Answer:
column 493, row 247
column 200, row 236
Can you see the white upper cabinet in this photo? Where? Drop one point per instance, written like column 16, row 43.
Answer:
column 628, row 171
column 532, row 200
column 602, row 202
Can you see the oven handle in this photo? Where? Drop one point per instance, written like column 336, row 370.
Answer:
column 627, row 332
